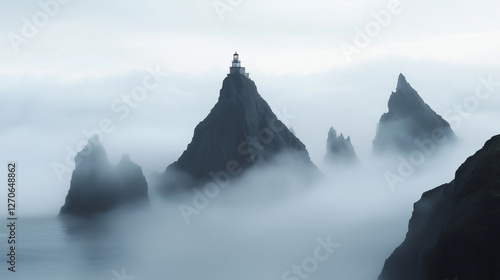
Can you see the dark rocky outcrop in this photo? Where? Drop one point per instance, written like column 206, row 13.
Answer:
column 239, row 132
column 97, row 186
column 409, row 120
column 339, row 150
column 455, row 228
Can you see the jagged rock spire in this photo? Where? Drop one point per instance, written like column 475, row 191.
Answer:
column 408, row 120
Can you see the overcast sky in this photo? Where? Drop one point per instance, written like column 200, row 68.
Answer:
column 322, row 63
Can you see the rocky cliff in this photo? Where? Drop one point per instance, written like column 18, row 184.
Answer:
column 454, row 229
column 339, row 150
column 409, row 120
column 239, row 132
column 97, row 186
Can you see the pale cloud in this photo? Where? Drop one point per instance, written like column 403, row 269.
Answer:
column 94, row 39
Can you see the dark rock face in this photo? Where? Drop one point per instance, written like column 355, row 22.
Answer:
column 339, row 150
column 240, row 131
column 409, row 120
column 454, row 230
column 97, row 186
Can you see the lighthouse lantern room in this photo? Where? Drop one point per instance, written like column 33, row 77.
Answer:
column 236, row 66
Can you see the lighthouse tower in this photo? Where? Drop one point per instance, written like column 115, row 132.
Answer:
column 236, row 66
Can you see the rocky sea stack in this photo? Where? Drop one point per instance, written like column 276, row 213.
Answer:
column 339, row 150
column 410, row 121
column 240, row 131
column 454, row 230
column 98, row 187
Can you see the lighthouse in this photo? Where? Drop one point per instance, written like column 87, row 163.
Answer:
column 236, row 66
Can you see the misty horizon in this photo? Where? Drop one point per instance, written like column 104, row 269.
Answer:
column 142, row 75
column 177, row 134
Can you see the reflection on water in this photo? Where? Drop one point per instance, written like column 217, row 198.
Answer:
column 50, row 248
column 238, row 235
column 244, row 243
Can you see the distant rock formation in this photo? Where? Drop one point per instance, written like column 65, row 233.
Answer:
column 239, row 132
column 409, row 122
column 454, row 230
column 339, row 150
column 97, row 186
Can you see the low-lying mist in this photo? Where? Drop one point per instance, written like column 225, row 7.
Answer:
column 268, row 225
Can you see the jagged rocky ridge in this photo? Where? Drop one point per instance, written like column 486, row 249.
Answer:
column 239, row 132
column 409, row 120
column 339, row 150
column 455, row 228
column 97, row 186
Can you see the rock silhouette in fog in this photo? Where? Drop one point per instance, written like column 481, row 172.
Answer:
column 454, row 230
column 97, row 186
column 339, row 150
column 409, row 124
column 239, row 132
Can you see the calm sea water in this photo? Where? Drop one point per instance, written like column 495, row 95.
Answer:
column 47, row 250
column 225, row 241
